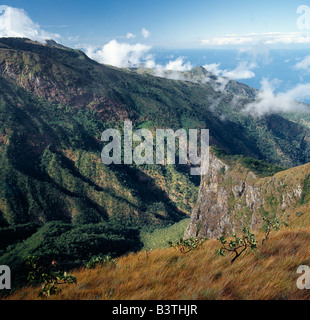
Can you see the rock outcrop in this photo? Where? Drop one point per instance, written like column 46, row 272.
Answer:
column 232, row 197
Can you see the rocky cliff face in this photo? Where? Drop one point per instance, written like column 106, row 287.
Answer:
column 232, row 197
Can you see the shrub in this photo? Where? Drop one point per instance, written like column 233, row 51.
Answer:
column 188, row 245
column 275, row 225
column 100, row 261
column 50, row 279
column 238, row 244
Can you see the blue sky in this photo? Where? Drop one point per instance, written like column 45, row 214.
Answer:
column 171, row 23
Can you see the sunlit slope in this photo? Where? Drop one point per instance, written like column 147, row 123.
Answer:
column 270, row 273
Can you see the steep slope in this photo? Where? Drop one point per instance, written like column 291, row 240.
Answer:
column 55, row 103
column 51, row 169
column 232, row 196
column 268, row 274
column 69, row 77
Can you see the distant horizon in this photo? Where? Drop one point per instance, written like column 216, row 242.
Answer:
column 170, row 35
column 169, row 24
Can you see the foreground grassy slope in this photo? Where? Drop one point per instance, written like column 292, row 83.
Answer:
column 270, row 273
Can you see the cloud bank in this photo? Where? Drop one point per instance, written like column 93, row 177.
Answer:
column 122, row 55
column 15, row 22
column 242, row 71
column 178, row 65
column 125, row 55
column 271, row 38
column 269, row 102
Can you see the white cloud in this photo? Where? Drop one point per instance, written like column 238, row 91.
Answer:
column 120, row 55
column 145, row 33
column 243, row 71
column 15, row 22
column 125, row 55
column 303, row 65
column 222, row 83
column 269, row 102
column 130, row 35
column 249, row 58
column 178, row 65
column 173, row 69
column 270, row 38
column 213, row 68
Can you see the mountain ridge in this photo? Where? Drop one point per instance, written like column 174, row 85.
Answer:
column 72, row 100
column 59, row 201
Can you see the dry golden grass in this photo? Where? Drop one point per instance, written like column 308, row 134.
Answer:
column 268, row 274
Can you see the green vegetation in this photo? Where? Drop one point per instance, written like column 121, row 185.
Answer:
column 57, row 199
column 272, row 224
column 188, row 245
column 237, row 244
column 12, row 235
column 100, row 260
column 50, row 279
column 259, row 167
column 71, row 246
column 305, row 197
column 160, row 237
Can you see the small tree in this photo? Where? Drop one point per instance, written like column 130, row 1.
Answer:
column 275, row 225
column 50, row 279
column 100, row 261
column 237, row 244
column 188, row 245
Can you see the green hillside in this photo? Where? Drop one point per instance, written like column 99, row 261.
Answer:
column 54, row 105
